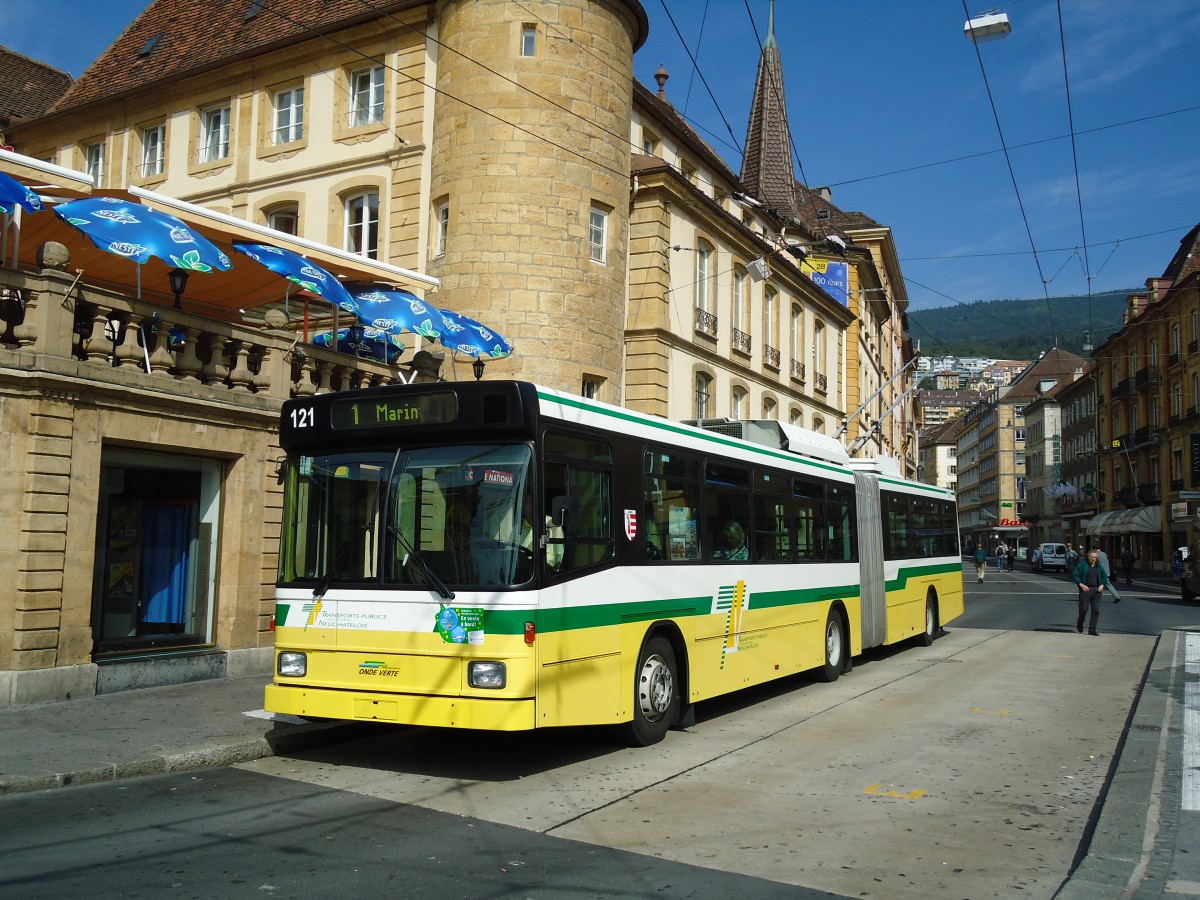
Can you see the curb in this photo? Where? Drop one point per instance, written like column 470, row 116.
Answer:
column 280, row 740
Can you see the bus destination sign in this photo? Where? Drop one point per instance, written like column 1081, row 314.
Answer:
column 423, row 409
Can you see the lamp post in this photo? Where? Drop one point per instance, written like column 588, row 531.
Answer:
column 179, row 280
column 477, row 367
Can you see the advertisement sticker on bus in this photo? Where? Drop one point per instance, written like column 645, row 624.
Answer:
column 630, row 524
column 460, row 626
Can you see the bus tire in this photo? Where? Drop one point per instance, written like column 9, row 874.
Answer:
column 655, row 694
column 931, row 620
column 835, row 647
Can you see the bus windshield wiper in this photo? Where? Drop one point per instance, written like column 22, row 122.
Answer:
column 431, row 576
column 426, row 570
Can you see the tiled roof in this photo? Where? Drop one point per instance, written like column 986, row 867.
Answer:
column 27, row 87
column 821, row 216
column 1186, row 259
column 1057, row 364
column 193, row 35
column 767, row 171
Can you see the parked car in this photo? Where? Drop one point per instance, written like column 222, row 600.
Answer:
column 1051, row 556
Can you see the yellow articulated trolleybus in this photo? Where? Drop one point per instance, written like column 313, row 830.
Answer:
column 498, row 555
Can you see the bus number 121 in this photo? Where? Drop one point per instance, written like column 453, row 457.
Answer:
column 303, row 417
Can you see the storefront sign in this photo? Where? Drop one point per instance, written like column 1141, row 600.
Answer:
column 1179, row 511
column 1013, row 523
column 1196, row 460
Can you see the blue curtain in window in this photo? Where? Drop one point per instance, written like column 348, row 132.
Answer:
column 166, row 549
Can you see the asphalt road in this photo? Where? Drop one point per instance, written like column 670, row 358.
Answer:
column 971, row 768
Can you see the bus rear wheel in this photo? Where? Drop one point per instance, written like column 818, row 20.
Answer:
column 835, row 648
column 655, row 694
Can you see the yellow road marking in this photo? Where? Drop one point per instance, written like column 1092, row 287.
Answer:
column 989, row 712
column 911, row 795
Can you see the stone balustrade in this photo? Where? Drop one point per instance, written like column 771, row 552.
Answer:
column 50, row 321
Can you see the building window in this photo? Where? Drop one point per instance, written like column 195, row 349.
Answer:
column 739, row 298
column 598, row 235
column 285, row 219
column 768, row 408
column 797, row 342
column 738, row 404
column 528, row 40
column 442, row 215
column 214, row 134
column 289, row 116
column 794, row 417
column 154, row 144
column 703, row 393
column 649, row 143
column 819, row 348
column 362, row 224
column 590, row 389
column 366, row 96
column 95, row 162
column 703, row 276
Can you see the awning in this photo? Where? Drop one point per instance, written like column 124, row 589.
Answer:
column 1145, row 519
column 1126, row 521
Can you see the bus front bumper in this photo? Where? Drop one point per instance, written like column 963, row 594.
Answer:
column 401, row 709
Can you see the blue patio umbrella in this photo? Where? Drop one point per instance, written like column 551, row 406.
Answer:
column 370, row 343
column 395, row 310
column 14, row 194
column 298, row 270
column 462, row 334
column 139, row 233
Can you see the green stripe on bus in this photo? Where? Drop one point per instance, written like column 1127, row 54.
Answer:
column 281, row 613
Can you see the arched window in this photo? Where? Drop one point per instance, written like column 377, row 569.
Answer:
column 819, row 347
column 703, row 394
column 739, row 299
column 704, row 276
column 796, row 346
column 738, row 405
column 362, row 224
column 770, row 316
column 768, row 408
column 285, row 218
column 794, row 418
column 818, row 424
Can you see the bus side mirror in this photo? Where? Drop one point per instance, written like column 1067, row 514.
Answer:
column 564, row 514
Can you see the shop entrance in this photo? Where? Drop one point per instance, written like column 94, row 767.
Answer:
column 155, row 556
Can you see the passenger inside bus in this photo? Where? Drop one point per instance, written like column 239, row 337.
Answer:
column 732, row 543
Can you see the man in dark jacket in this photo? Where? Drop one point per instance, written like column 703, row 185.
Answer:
column 1092, row 580
column 1127, row 561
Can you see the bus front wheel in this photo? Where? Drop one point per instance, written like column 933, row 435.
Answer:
column 835, row 648
column 655, row 694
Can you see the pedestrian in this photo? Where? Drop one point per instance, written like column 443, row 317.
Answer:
column 1092, row 581
column 1001, row 551
column 1012, row 560
column 1102, row 559
column 1127, row 561
column 980, row 563
column 1072, row 558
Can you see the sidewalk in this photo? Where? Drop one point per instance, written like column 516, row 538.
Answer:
column 145, row 732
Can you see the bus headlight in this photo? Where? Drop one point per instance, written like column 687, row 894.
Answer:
column 292, row 663
column 487, row 675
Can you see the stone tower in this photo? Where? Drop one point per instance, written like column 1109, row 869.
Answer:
column 530, row 136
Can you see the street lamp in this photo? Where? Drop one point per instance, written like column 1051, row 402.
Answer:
column 179, row 280
column 477, row 367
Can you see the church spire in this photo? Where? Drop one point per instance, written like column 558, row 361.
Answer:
column 767, row 162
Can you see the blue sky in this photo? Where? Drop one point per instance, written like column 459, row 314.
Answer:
column 876, row 87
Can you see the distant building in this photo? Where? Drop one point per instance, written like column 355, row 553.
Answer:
column 939, row 454
column 939, row 407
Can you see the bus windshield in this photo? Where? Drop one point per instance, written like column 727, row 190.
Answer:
column 459, row 515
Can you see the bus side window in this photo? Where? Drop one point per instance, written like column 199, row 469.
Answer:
column 727, row 512
column 810, row 520
column 772, row 517
column 672, row 502
column 584, row 475
column 843, row 534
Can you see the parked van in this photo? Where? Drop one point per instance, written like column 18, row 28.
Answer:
column 1051, row 556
